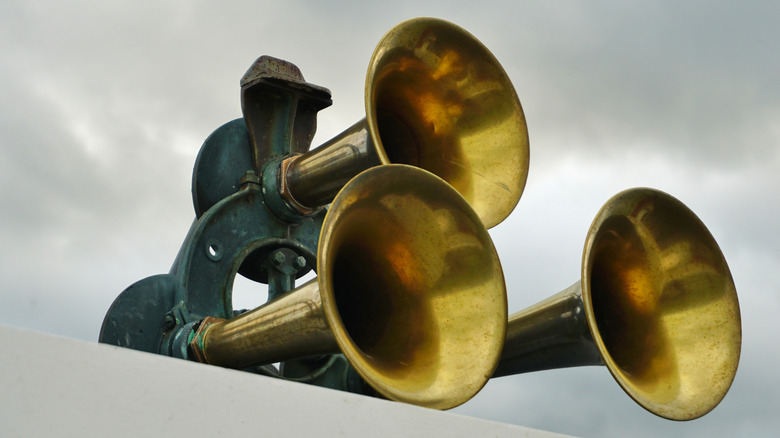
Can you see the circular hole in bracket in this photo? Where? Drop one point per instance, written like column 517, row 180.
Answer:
column 214, row 250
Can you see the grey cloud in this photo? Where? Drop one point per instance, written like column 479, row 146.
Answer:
column 694, row 81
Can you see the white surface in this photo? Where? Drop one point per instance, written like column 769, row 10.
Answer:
column 52, row 386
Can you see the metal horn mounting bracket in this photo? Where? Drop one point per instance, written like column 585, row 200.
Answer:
column 242, row 225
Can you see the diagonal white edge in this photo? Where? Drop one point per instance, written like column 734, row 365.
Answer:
column 54, row 386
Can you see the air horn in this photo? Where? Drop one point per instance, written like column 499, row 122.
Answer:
column 435, row 98
column 409, row 288
column 656, row 304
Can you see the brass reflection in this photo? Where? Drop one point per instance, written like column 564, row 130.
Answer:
column 656, row 304
column 438, row 99
column 663, row 304
column 391, row 261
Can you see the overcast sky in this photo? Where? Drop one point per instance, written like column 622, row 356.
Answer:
column 105, row 106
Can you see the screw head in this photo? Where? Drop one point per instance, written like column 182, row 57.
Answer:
column 278, row 257
column 169, row 321
column 299, row 262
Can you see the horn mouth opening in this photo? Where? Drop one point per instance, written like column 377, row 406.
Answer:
column 436, row 98
column 412, row 287
column 661, row 304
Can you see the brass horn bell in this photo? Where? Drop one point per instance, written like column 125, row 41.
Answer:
column 656, row 304
column 436, row 98
column 409, row 288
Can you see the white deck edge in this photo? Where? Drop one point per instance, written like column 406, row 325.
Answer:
column 55, row 386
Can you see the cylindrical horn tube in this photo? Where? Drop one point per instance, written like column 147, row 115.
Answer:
column 552, row 334
column 290, row 326
column 315, row 177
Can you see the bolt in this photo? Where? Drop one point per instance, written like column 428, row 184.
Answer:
column 249, row 178
column 299, row 262
column 277, row 258
column 170, row 321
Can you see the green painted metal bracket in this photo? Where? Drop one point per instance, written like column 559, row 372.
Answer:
column 243, row 227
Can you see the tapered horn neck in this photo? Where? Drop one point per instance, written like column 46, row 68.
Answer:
column 554, row 333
